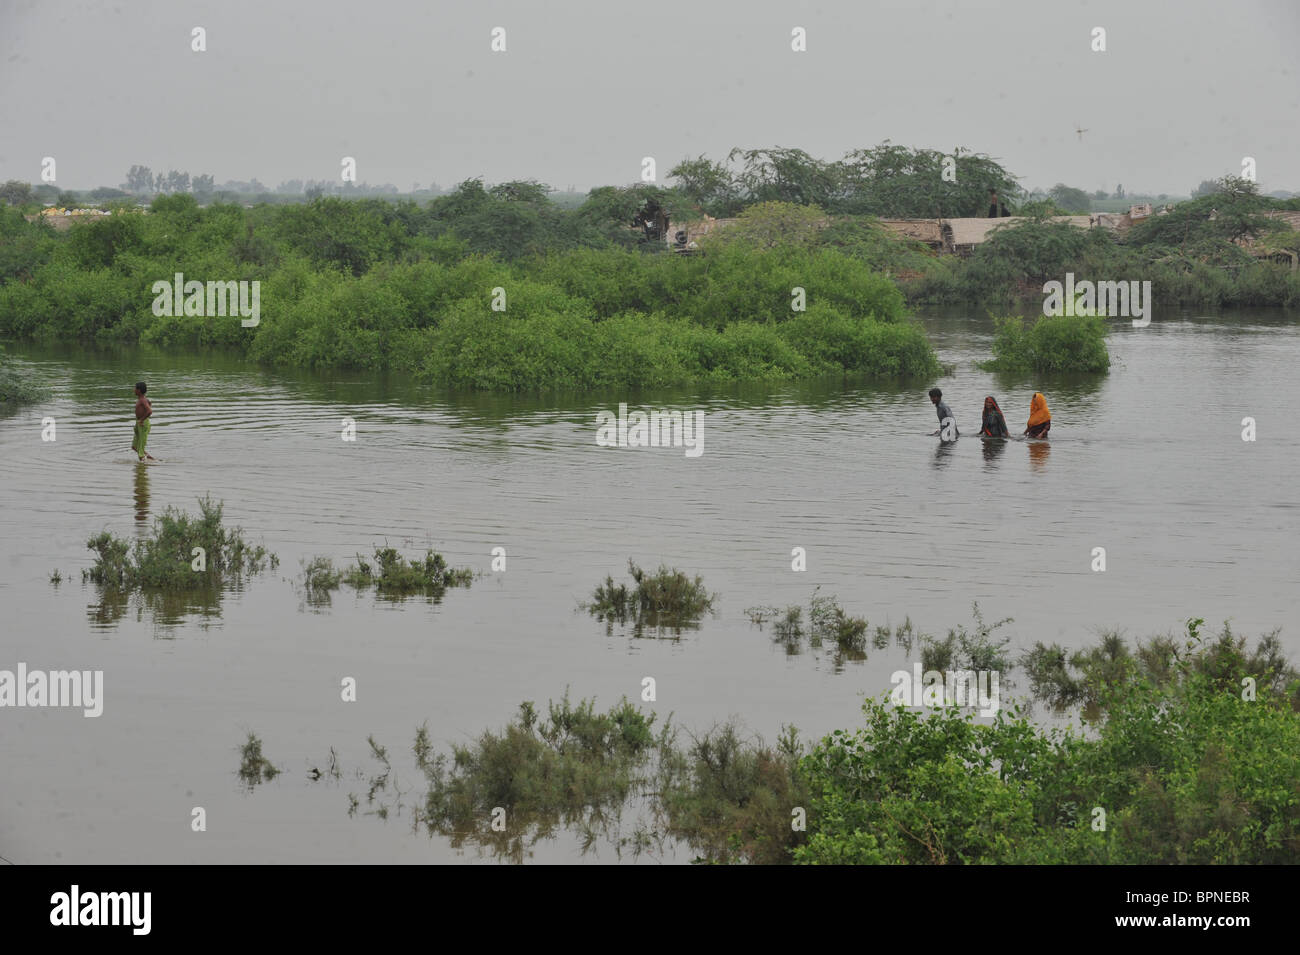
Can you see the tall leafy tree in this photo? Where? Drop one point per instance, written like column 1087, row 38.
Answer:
column 16, row 193
column 139, row 179
column 778, row 174
column 1070, row 199
column 710, row 185
column 898, row 182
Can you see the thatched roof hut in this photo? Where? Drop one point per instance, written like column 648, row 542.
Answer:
column 965, row 234
column 928, row 231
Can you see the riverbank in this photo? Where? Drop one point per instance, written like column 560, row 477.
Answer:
column 382, row 287
column 580, row 319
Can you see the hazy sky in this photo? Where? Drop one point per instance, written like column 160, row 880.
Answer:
column 412, row 90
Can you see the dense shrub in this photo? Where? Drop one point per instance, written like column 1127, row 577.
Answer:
column 1188, row 767
column 1059, row 343
column 384, row 285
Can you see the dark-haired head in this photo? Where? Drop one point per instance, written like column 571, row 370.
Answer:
column 936, row 393
column 141, row 387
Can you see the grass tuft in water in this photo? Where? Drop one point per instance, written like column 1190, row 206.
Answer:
column 964, row 649
column 827, row 623
column 254, row 768
column 665, row 600
column 320, row 576
column 391, row 574
column 170, row 559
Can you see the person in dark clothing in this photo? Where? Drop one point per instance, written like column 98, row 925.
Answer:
column 997, row 208
column 944, row 412
column 993, row 425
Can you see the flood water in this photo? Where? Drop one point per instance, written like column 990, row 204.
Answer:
column 1147, row 462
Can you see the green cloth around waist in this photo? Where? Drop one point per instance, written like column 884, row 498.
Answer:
column 141, row 435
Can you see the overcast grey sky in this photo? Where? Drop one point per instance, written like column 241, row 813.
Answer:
column 586, row 88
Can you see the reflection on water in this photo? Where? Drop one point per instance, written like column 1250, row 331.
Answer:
column 994, row 448
column 141, row 497
column 165, row 611
column 1039, row 451
column 944, row 453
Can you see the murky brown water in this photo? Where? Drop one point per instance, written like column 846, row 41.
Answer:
column 1147, row 462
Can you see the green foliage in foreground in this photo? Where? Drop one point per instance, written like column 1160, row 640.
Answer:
column 1185, row 770
column 1179, row 764
column 165, row 560
column 664, row 600
column 1081, row 678
column 1060, row 343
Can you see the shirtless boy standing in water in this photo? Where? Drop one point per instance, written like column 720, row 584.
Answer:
column 143, row 411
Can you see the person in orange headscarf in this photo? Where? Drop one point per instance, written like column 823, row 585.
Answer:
column 1040, row 419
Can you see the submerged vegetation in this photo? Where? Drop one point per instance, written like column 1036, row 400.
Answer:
column 724, row 794
column 183, row 567
column 392, row 576
column 969, row 649
column 183, row 553
column 254, row 768
column 1183, row 761
column 666, row 600
column 828, row 623
column 572, row 766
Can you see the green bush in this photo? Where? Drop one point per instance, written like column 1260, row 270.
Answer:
column 254, row 768
column 1060, row 343
column 394, row 576
column 381, row 286
column 1188, row 765
column 729, row 797
column 664, row 600
column 164, row 560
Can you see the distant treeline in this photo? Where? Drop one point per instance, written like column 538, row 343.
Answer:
column 592, row 294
